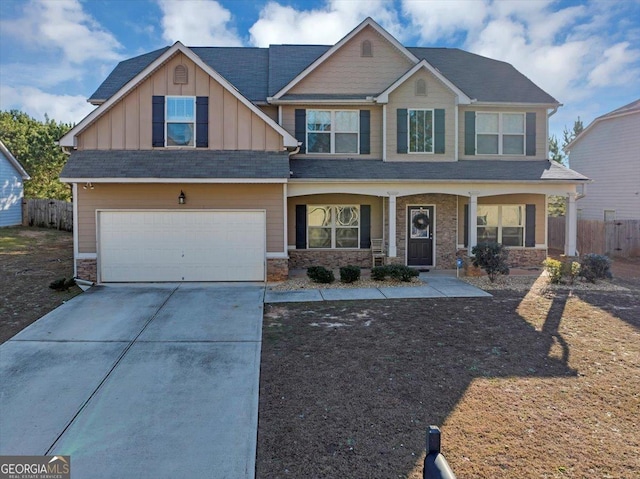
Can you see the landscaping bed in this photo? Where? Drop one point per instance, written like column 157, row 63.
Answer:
column 536, row 382
column 30, row 259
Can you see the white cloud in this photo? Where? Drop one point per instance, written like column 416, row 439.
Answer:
column 197, row 23
column 616, row 66
column 37, row 103
column 438, row 20
column 280, row 24
column 63, row 25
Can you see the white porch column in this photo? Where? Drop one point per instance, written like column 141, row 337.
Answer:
column 571, row 226
column 393, row 251
column 473, row 220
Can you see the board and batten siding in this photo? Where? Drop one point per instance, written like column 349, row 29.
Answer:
column 515, row 199
column 609, row 154
column 11, row 193
column 375, row 131
column 165, row 196
column 541, row 132
column 127, row 124
column 347, row 71
column 438, row 96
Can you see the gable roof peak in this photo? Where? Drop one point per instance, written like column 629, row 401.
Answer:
column 367, row 22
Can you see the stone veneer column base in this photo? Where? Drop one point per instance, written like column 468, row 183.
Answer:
column 518, row 258
column 277, row 269
column 87, row 269
column 303, row 258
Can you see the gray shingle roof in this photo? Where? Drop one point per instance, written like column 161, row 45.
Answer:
column 261, row 72
column 482, row 78
column 463, row 170
column 123, row 73
column 94, row 164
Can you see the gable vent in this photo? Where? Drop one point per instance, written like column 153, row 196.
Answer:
column 421, row 87
column 367, row 50
column 180, row 75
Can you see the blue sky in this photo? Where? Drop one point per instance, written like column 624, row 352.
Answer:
column 55, row 53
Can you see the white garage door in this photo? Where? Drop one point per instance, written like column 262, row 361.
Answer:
column 182, row 245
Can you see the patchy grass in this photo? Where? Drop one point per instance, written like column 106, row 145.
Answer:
column 523, row 384
column 30, row 259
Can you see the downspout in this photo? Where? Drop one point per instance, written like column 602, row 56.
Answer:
column 549, row 115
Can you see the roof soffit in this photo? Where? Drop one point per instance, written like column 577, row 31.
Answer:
column 368, row 22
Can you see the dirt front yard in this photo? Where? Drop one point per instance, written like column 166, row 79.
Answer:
column 534, row 383
column 30, row 259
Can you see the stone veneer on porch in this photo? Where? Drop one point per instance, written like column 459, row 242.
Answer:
column 445, row 227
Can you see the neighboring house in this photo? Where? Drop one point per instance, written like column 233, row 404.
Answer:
column 206, row 164
column 607, row 152
column 12, row 176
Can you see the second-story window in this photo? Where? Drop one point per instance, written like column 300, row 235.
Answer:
column 330, row 131
column 180, row 120
column 500, row 133
column 420, row 131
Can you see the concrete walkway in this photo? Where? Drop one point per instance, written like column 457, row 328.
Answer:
column 436, row 286
column 139, row 381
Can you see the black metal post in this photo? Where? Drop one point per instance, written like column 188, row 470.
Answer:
column 435, row 464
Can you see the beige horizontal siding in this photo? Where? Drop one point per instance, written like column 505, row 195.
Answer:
column 541, row 133
column 289, row 124
column 232, row 125
column 165, row 196
column 519, row 199
column 334, row 199
column 439, row 96
column 346, row 71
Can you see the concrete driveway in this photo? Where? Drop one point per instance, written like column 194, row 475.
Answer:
column 142, row 381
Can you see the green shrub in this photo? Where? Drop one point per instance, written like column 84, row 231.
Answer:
column 491, row 257
column 394, row 271
column 573, row 271
column 401, row 273
column 595, row 266
column 554, row 269
column 349, row 274
column 320, row 274
column 378, row 273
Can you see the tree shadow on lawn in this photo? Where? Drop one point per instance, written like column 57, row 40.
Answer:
column 348, row 389
column 622, row 305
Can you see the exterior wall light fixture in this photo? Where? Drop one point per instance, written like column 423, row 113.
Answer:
column 181, row 198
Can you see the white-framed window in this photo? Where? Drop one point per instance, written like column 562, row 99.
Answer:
column 420, row 130
column 501, row 224
column 333, row 226
column 500, row 133
column 180, row 121
column 333, row 131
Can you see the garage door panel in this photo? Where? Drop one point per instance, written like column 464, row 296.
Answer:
column 182, row 246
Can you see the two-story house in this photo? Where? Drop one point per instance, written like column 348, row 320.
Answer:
column 210, row 164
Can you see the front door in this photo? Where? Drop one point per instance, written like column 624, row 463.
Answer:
column 420, row 236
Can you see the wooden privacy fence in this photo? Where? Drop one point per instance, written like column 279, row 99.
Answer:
column 613, row 238
column 48, row 214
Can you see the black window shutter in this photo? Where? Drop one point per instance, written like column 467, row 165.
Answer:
column 530, row 240
column 301, row 128
column 365, row 132
column 438, row 131
column 466, row 225
column 157, row 120
column 202, row 122
column 365, row 226
column 301, row 226
column 403, row 131
column 469, row 132
column 531, row 134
